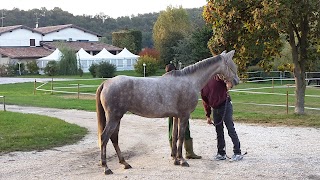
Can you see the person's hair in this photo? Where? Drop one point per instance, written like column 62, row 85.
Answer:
column 170, row 67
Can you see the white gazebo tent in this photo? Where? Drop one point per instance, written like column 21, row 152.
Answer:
column 85, row 59
column 126, row 60
column 56, row 55
column 104, row 55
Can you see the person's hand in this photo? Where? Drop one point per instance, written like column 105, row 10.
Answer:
column 209, row 121
column 229, row 85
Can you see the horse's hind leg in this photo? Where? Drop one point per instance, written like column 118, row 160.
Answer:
column 114, row 138
column 111, row 126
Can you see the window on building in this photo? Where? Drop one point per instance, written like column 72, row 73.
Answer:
column 32, row 42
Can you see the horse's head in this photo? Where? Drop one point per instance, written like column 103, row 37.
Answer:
column 230, row 72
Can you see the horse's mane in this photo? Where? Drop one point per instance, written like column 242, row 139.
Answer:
column 194, row 67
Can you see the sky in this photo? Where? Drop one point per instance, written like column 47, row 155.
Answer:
column 112, row 8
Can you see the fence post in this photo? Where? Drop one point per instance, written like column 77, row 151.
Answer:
column 272, row 85
column 4, row 103
column 52, row 86
column 78, row 90
column 34, row 86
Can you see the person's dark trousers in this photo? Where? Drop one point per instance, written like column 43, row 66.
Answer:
column 228, row 121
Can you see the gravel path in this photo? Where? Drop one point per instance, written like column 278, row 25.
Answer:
column 273, row 152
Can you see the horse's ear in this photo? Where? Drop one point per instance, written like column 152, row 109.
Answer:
column 230, row 54
column 223, row 52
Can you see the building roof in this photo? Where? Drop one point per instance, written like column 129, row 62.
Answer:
column 24, row 52
column 11, row 28
column 77, row 45
column 50, row 29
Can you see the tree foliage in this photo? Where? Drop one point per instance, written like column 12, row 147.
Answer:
column 253, row 28
column 51, row 68
column 32, row 67
column 130, row 39
column 100, row 23
column 193, row 48
column 171, row 26
column 68, row 62
column 151, row 65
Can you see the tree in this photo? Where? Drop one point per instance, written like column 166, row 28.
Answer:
column 130, row 39
column 171, row 26
column 68, row 62
column 51, row 68
column 253, row 28
column 195, row 47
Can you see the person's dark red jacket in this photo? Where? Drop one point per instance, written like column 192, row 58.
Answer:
column 214, row 94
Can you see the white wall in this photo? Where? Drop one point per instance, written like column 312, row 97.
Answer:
column 73, row 33
column 19, row 37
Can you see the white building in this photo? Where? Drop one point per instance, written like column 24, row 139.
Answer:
column 20, row 44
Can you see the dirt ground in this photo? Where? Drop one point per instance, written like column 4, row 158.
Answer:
column 273, row 152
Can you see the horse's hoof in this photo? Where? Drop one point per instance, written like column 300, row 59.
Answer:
column 176, row 162
column 103, row 163
column 185, row 164
column 127, row 166
column 107, row 171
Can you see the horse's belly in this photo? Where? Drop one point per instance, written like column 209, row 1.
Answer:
column 151, row 112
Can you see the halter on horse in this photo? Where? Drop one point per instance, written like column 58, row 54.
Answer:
column 175, row 94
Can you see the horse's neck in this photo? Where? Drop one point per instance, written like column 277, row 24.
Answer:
column 201, row 77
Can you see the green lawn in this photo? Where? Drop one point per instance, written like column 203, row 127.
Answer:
column 25, row 132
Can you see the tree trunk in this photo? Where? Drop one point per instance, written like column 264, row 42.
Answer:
column 299, row 69
column 299, row 91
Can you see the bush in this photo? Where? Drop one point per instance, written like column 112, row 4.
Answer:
column 3, row 70
column 52, row 68
column 105, row 70
column 150, row 52
column 92, row 70
column 33, row 67
column 80, row 72
column 11, row 70
column 152, row 65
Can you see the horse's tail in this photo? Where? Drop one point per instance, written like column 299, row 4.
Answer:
column 100, row 114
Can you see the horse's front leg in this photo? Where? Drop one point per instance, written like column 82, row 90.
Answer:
column 182, row 128
column 174, row 141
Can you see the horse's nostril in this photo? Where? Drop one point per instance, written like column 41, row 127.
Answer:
column 235, row 81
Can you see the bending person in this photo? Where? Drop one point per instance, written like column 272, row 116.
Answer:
column 215, row 95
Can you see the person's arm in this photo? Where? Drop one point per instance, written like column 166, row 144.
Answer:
column 229, row 85
column 207, row 109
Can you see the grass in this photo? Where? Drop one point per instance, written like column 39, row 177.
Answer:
column 26, row 132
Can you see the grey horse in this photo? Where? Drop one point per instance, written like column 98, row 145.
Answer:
column 175, row 94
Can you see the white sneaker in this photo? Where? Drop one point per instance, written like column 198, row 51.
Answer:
column 220, row 157
column 236, row 157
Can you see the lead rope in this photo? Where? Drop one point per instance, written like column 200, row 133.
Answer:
column 224, row 113
column 223, row 116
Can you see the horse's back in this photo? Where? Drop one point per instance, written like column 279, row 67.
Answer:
column 148, row 97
